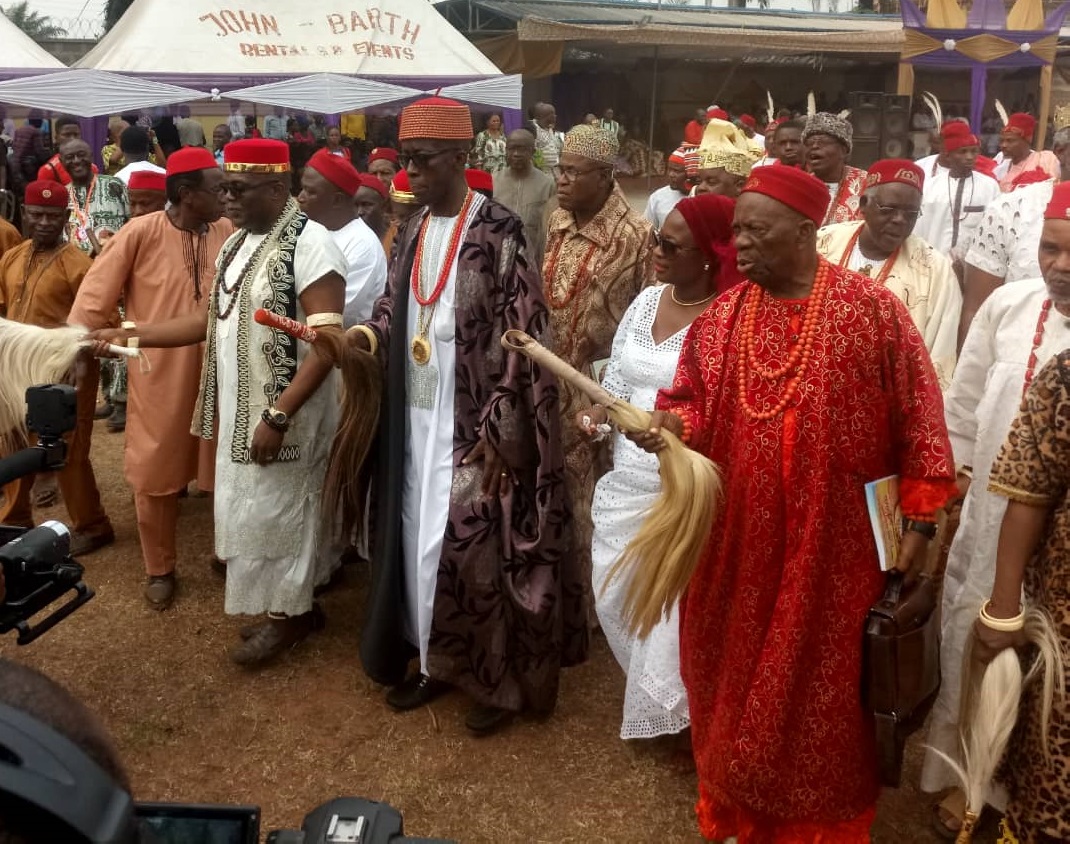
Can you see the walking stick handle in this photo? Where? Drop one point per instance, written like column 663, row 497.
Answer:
column 295, row 329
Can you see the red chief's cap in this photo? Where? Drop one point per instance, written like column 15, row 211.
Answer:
column 256, row 155
column 1059, row 207
column 46, row 193
column 1022, row 124
column 895, row 171
column 792, row 187
column 336, row 170
column 479, row 179
column 190, row 160
column 375, row 183
column 384, row 154
column 149, row 180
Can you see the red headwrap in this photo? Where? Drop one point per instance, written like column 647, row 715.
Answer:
column 375, row 183
column 336, row 170
column 1059, row 207
column 149, row 180
column 792, row 187
column 1022, row 124
column 190, row 160
column 46, row 193
column 709, row 216
column 895, row 171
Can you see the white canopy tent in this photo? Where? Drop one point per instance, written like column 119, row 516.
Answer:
column 20, row 54
column 91, row 93
column 316, row 55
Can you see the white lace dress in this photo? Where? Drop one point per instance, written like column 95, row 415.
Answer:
column 655, row 702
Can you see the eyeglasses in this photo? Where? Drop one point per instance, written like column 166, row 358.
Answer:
column 239, row 189
column 669, row 248
column 422, row 160
column 570, row 174
column 909, row 215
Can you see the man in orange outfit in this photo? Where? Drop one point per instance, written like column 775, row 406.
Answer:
column 38, row 282
column 162, row 266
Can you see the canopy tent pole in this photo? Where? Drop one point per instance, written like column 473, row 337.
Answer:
column 978, row 93
column 1045, row 103
column 906, row 80
column 653, row 118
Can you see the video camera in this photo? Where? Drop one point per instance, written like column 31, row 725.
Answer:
column 35, row 562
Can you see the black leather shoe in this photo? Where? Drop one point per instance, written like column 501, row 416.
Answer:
column 117, row 421
column 160, row 591
column 484, row 720
column 417, row 690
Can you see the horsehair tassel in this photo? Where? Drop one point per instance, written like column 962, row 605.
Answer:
column 661, row 558
column 295, row 329
column 991, row 695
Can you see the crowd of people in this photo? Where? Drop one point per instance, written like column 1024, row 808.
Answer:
column 807, row 325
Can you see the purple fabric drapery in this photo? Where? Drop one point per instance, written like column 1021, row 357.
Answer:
column 978, row 94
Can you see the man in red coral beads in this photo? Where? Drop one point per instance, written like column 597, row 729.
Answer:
column 802, row 384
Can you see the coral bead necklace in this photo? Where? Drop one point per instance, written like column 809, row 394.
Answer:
column 799, row 356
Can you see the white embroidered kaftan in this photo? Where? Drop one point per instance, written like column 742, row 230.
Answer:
column 267, row 517
column 431, row 427
column 979, row 406
column 655, row 702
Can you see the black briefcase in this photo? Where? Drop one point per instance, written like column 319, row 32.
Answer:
column 900, row 666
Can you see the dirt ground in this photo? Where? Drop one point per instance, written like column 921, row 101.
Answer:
column 194, row 727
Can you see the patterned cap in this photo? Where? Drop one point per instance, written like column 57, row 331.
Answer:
column 734, row 162
column 895, row 171
column 824, row 123
column 436, row 117
column 691, row 160
column 679, row 156
column 592, row 142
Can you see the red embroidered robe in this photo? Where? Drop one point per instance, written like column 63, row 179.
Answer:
column 843, row 204
column 771, row 625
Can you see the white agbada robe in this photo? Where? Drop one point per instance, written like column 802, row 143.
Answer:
column 980, row 406
column 1008, row 238
column 267, row 517
column 937, row 222
column 429, row 450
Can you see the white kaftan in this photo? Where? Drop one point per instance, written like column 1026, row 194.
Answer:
column 661, row 202
column 941, row 198
column 655, row 702
column 1008, row 238
column 429, row 450
column 979, row 406
column 267, row 517
column 365, row 270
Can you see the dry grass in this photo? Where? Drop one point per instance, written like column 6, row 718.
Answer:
column 193, row 727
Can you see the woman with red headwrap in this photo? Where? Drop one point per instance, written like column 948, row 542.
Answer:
column 695, row 261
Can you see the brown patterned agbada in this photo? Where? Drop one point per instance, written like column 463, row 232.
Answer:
column 591, row 275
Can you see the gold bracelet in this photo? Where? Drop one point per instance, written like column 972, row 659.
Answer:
column 373, row 341
column 1004, row 625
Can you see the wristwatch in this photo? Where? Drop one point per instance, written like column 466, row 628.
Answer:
column 926, row 529
column 276, row 419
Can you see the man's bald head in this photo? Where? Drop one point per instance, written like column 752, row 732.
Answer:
column 519, row 150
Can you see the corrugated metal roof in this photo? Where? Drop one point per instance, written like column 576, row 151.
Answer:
column 625, row 14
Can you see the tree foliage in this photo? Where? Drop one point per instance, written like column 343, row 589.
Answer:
column 37, row 26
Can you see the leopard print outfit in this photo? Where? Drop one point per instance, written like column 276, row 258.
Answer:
column 1033, row 468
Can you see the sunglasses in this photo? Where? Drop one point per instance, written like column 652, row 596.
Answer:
column 422, row 160
column 669, row 248
column 239, row 189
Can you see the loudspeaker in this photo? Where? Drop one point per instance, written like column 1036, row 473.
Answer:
column 881, row 124
column 895, row 126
